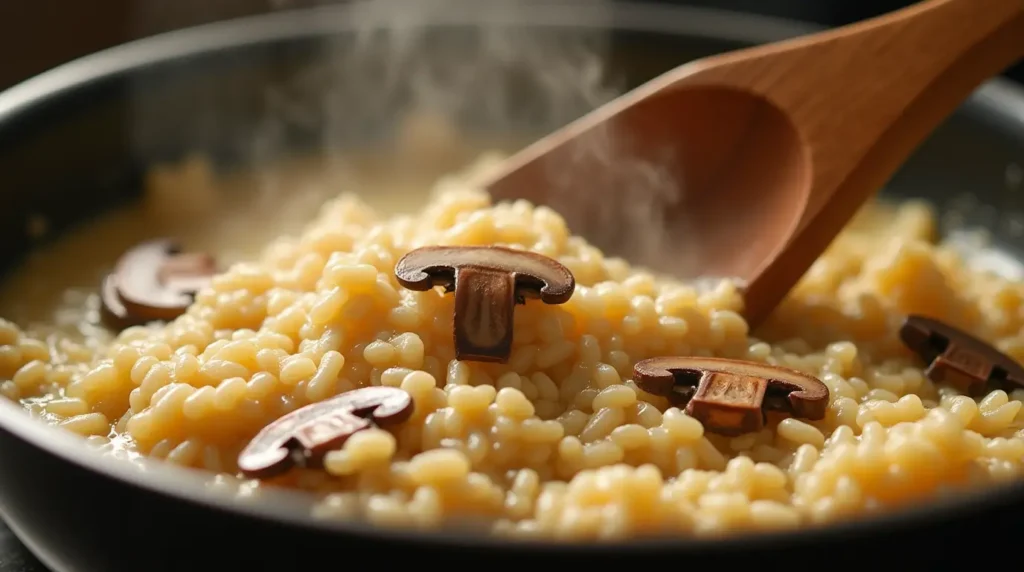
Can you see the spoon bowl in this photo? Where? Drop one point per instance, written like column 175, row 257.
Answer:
column 690, row 213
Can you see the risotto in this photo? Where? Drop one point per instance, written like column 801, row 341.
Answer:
column 559, row 441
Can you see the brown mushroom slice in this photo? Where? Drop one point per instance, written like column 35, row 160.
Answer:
column 303, row 437
column 960, row 359
column 729, row 396
column 112, row 311
column 155, row 282
column 488, row 281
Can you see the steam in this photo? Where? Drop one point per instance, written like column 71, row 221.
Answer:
column 479, row 65
column 507, row 75
column 621, row 198
column 518, row 68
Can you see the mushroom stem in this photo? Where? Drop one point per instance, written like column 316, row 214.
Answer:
column 484, row 305
column 728, row 403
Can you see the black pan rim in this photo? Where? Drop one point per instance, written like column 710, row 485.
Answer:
column 1000, row 99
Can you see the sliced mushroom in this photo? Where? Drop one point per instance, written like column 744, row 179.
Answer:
column 112, row 311
column 730, row 397
column 154, row 281
column 960, row 359
column 302, row 437
column 488, row 282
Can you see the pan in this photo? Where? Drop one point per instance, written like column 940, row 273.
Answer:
column 77, row 141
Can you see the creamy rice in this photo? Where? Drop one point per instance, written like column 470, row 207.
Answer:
column 559, row 442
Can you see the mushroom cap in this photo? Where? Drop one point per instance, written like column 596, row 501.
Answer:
column 657, row 375
column 146, row 291
column 112, row 311
column 268, row 452
column 426, row 267
column 917, row 332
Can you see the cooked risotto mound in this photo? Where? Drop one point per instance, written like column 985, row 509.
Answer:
column 559, row 442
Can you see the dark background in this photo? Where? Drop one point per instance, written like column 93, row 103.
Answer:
column 39, row 34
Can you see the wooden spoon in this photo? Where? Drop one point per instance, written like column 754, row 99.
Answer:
column 747, row 164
